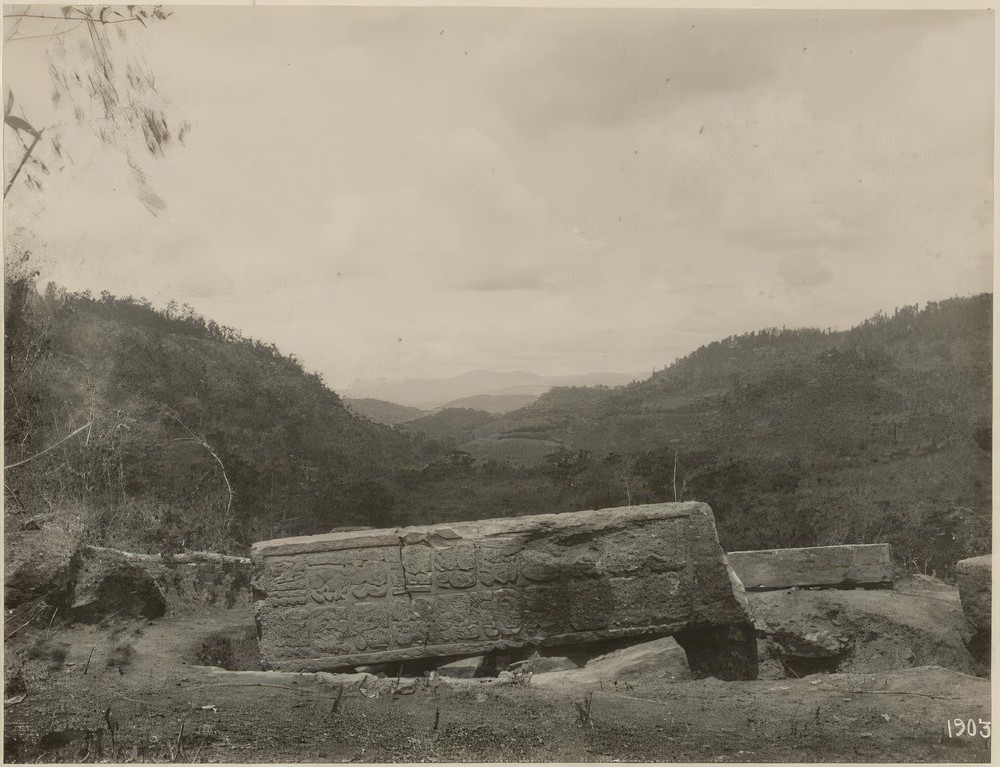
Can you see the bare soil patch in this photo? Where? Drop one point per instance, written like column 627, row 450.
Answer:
column 138, row 690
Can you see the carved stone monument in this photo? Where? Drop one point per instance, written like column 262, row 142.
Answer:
column 332, row 601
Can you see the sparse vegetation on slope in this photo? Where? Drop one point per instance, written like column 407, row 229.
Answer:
column 380, row 411
column 452, row 426
column 194, row 435
column 186, row 434
column 795, row 437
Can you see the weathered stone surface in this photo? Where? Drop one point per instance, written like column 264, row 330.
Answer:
column 340, row 600
column 109, row 584
column 544, row 664
column 659, row 658
column 109, row 581
column 40, row 563
column 464, row 668
column 918, row 622
column 867, row 565
column 974, row 589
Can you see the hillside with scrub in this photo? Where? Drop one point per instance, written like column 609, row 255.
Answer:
column 158, row 430
column 193, row 436
column 881, row 433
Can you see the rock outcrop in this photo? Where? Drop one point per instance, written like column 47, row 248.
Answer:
column 40, row 563
column 918, row 623
column 339, row 600
column 112, row 582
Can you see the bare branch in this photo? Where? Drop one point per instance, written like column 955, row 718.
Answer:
column 24, row 159
column 83, row 18
column 194, row 438
column 50, row 447
column 49, row 34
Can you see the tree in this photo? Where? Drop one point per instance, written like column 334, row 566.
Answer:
column 100, row 88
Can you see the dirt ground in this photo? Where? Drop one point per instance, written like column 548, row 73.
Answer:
column 137, row 691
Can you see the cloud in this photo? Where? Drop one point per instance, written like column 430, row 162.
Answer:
column 457, row 218
column 609, row 67
column 512, row 280
column 559, row 189
column 804, row 270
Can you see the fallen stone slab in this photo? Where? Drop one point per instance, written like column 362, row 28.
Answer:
column 657, row 659
column 864, row 565
column 341, row 600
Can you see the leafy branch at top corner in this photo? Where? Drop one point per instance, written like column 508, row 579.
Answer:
column 113, row 96
column 89, row 14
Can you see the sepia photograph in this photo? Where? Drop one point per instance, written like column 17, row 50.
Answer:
column 482, row 383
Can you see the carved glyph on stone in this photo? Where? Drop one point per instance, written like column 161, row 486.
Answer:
column 416, row 563
column 455, row 566
column 372, row 596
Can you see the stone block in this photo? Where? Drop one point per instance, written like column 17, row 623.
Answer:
column 974, row 589
column 464, row 668
column 340, row 600
column 546, row 664
column 867, row 565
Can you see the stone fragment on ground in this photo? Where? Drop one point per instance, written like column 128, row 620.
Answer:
column 917, row 623
column 658, row 659
column 916, row 697
column 543, row 664
column 464, row 668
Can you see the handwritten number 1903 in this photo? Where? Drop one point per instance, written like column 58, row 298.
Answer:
column 959, row 727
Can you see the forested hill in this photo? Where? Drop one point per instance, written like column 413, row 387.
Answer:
column 881, row 432
column 159, row 430
column 198, row 437
column 915, row 374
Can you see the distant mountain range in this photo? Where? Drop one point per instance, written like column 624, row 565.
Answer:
column 494, row 404
column 391, row 414
column 433, row 393
column 380, row 411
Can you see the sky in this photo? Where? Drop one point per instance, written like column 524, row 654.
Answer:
column 392, row 193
